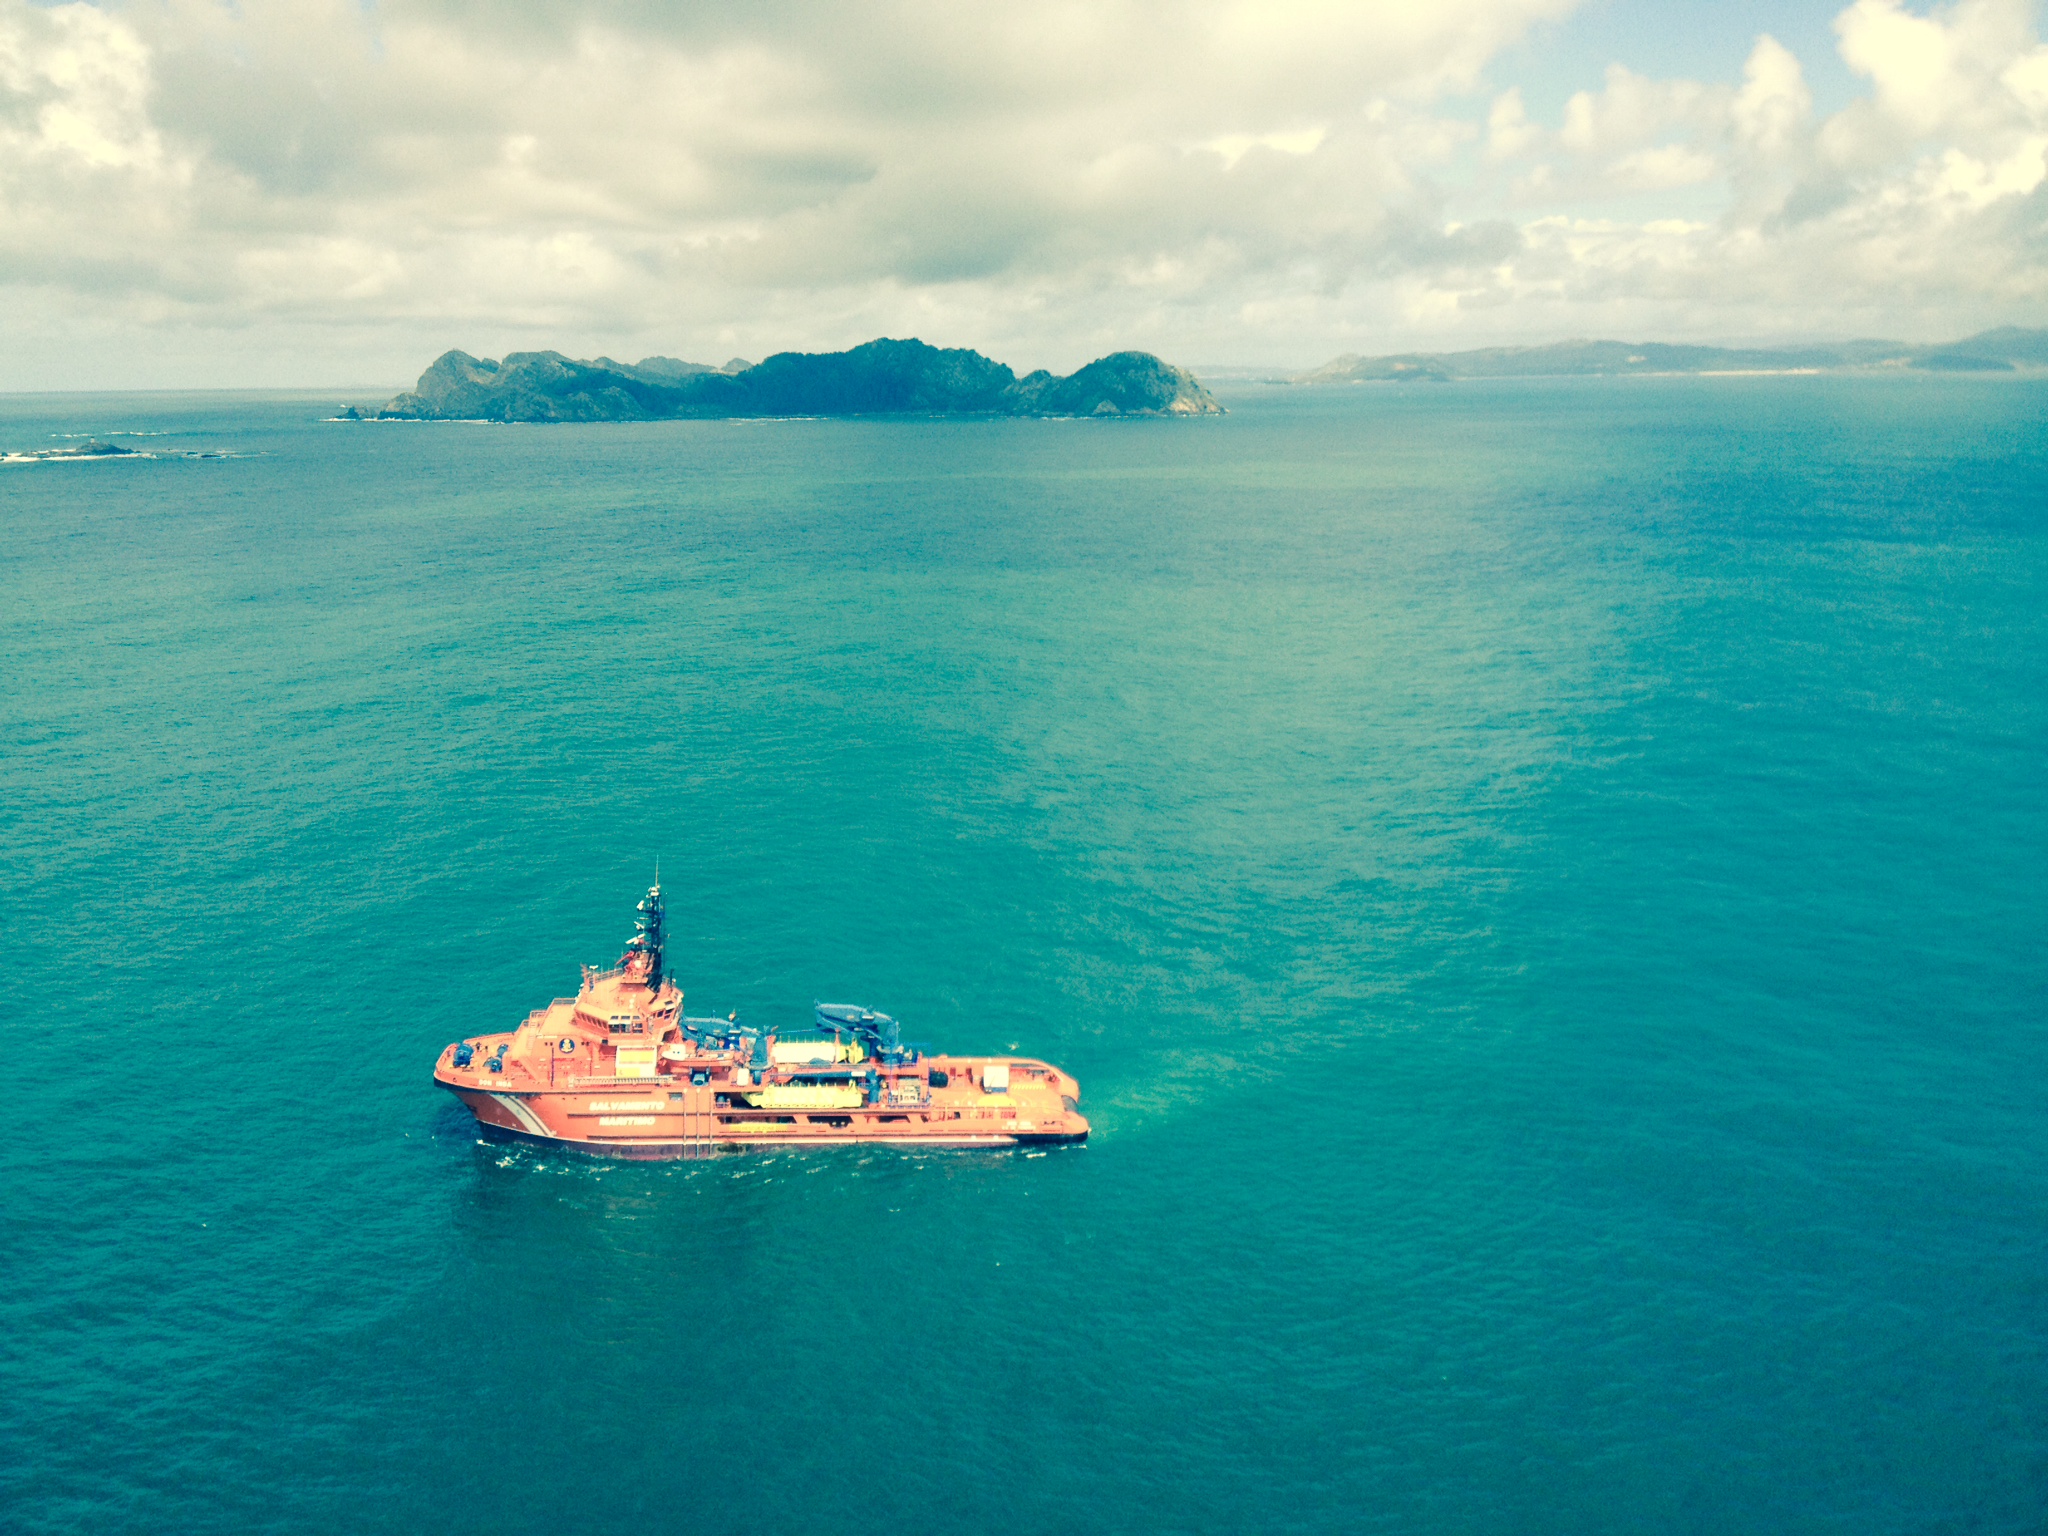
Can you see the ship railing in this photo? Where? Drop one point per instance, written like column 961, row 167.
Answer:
column 620, row 1082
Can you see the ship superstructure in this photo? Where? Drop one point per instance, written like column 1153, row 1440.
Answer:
column 622, row 1070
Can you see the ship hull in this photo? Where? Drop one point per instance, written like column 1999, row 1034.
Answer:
column 683, row 1151
column 554, row 1121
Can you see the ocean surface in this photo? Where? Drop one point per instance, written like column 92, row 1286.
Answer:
column 1544, row 885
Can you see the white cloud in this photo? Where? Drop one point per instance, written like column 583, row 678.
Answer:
column 1918, row 207
column 1508, row 129
column 1045, row 179
column 1632, row 109
column 801, row 172
column 86, row 181
column 1771, row 111
column 1234, row 146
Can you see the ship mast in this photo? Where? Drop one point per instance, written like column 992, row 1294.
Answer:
column 650, row 934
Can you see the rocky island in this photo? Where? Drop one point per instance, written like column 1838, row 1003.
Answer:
column 880, row 378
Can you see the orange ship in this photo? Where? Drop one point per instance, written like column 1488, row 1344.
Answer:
column 620, row 1069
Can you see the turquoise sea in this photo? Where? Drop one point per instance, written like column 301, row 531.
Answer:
column 1544, row 886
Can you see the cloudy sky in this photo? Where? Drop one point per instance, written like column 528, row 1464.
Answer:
column 333, row 191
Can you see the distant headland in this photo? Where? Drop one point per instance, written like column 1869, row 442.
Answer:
column 2005, row 350
column 880, row 378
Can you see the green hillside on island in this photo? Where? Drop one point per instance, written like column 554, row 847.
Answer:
column 880, row 378
column 2004, row 350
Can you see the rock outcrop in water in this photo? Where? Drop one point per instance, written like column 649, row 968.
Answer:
column 94, row 449
column 880, row 378
column 2000, row 351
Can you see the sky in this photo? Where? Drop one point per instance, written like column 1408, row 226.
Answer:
column 196, row 194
